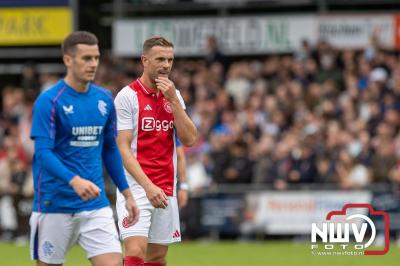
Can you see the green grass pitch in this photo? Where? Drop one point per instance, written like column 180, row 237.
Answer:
column 268, row 253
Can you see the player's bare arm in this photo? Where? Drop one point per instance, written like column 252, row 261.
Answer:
column 131, row 207
column 156, row 195
column 185, row 129
column 183, row 194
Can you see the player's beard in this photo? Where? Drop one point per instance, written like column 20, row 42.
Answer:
column 156, row 74
column 165, row 75
column 153, row 75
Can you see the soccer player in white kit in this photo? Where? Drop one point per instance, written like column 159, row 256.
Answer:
column 150, row 112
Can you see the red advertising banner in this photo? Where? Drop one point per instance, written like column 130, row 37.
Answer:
column 397, row 31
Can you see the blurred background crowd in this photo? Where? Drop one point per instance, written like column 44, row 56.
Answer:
column 318, row 115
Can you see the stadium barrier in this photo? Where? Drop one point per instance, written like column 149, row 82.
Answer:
column 254, row 210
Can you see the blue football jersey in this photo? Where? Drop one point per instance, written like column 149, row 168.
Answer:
column 77, row 124
column 178, row 143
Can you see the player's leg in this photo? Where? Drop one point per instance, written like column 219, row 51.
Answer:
column 135, row 250
column 99, row 238
column 135, row 237
column 156, row 255
column 39, row 263
column 52, row 234
column 109, row 259
column 164, row 230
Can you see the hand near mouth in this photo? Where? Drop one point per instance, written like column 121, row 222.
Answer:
column 167, row 87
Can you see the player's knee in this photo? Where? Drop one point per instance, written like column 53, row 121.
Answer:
column 135, row 250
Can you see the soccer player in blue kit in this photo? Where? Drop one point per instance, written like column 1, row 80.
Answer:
column 74, row 130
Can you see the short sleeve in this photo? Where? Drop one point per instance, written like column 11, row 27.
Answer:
column 43, row 118
column 126, row 105
column 181, row 99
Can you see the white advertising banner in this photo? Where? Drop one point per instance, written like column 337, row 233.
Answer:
column 247, row 35
column 293, row 212
column 236, row 35
column 355, row 31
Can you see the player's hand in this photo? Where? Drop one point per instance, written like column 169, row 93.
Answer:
column 183, row 196
column 133, row 211
column 167, row 87
column 156, row 196
column 84, row 188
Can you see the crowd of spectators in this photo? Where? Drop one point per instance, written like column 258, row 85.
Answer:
column 319, row 115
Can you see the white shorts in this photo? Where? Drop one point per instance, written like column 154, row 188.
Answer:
column 160, row 226
column 53, row 234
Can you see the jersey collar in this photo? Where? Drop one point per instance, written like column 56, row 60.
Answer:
column 144, row 88
column 75, row 92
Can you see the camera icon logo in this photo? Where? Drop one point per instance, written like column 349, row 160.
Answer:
column 341, row 227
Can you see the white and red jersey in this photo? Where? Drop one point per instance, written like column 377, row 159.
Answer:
column 152, row 123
